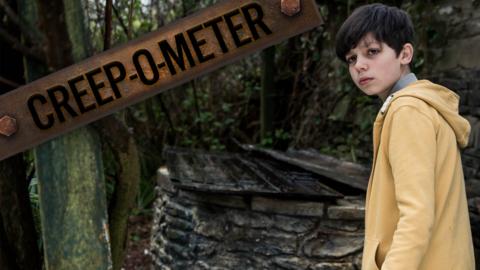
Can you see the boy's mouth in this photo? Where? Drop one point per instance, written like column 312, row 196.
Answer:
column 364, row 80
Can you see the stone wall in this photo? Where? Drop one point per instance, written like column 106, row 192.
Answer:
column 456, row 64
column 195, row 230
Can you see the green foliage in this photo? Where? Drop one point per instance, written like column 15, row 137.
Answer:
column 317, row 106
column 278, row 136
column 145, row 198
column 35, row 204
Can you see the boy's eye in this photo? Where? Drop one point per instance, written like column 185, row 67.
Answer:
column 351, row 59
column 373, row 51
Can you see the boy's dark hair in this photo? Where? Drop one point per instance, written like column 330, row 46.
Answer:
column 387, row 24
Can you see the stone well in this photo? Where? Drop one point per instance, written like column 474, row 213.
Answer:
column 211, row 217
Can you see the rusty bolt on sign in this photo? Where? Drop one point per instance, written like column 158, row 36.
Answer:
column 8, row 125
column 150, row 65
column 290, row 7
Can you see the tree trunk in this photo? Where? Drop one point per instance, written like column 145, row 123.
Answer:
column 266, row 95
column 18, row 238
column 125, row 152
column 6, row 257
column 126, row 187
column 16, row 214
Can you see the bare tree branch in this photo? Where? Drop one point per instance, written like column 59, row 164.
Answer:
column 122, row 24
column 151, row 9
column 107, row 41
column 17, row 45
column 9, row 82
column 30, row 32
column 165, row 111
column 98, row 19
column 197, row 109
column 160, row 16
column 130, row 19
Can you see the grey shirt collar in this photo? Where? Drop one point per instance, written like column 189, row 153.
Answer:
column 400, row 84
column 403, row 82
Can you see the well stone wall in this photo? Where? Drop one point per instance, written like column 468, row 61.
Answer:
column 195, row 230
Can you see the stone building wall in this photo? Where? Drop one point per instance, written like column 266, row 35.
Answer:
column 456, row 64
column 195, row 230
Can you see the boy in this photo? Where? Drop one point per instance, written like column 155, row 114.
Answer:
column 416, row 214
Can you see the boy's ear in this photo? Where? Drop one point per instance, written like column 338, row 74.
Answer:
column 406, row 55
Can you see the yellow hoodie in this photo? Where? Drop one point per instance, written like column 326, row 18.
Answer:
column 416, row 213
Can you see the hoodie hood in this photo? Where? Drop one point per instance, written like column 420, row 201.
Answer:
column 442, row 99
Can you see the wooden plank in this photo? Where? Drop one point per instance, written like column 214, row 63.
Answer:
column 227, row 173
column 348, row 176
column 110, row 81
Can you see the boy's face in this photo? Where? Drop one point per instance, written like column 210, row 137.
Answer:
column 375, row 67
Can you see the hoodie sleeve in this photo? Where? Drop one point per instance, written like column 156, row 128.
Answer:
column 412, row 154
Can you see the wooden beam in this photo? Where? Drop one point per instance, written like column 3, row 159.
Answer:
column 125, row 75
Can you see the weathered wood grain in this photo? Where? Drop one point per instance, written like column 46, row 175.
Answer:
column 125, row 75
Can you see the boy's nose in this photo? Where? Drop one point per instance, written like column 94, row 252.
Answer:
column 361, row 64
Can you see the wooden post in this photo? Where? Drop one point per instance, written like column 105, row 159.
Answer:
column 72, row 188
column 72, row 202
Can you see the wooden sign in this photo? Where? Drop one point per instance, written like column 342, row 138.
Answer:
column 125, row 75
